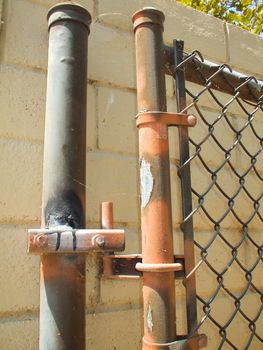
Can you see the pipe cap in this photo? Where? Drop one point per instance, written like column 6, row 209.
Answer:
column 66, row 11
column 148, row 15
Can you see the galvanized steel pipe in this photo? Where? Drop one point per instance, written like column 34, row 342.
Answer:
column 156, row 218
column 62, row 286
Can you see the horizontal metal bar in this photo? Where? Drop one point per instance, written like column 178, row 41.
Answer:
column 64, row 239
column 170, row 119
column 227, row 81
column 124, row 266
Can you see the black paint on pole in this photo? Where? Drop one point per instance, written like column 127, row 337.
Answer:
column 62, row 285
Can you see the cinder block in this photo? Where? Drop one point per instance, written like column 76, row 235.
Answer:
column 239, row 338
column 207, row 328
column 132, row 240
column 253, row 262
column 125, row 8
column 88, row 4
column 19, row 334
column 116, row 20
column 244, row 207
column 203, row 97
column 251, row 305
column 250, row 147
column 25, row 42
column 19, row 272
column 245, row 51
column 111, row 56
column 215, row 202
column 120, row 292
column 181, row 23
column 212, row 331
column 27, row 109
column 22, row 99
column 92, row 132
column 169, row 82
column 116, row 114
column 198, row 31
column 117, row 329
column 21, row 174
column 178, row 241
column 220, row 257
column 171, row 101
column 211, row 152
column 113, row 177
column 205, row 141
column 181, row 323
column 93, row 278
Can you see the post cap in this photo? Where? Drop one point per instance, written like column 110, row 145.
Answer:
column 148, row 15
column 68, row 11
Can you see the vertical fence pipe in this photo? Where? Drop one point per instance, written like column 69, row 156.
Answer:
column 156, row 220
column 62, row 283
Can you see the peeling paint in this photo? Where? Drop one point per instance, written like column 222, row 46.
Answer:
column 146, row 182
column 109, row 104
column 149, row 319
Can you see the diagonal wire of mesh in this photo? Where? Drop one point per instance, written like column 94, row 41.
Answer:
column 226, row 160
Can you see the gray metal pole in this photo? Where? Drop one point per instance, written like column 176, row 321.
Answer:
column 62, row 284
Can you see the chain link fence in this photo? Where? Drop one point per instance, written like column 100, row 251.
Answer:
column 225, row 160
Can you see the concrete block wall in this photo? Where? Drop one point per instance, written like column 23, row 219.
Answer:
column 114, row 317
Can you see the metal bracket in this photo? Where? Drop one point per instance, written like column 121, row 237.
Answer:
column 159, row 267
column 197, row 341
column 64, row 239
column 131, row 267
column 67, row 240
column 169, row 119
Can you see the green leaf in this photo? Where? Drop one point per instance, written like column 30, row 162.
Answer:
column 245, row 2
column 246, row 14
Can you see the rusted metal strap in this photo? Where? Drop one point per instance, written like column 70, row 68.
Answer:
column 130, row 266
column 170, row 119
column 64, row 239
column 198, row 341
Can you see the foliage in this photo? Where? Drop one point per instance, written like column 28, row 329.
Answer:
column 247, row 14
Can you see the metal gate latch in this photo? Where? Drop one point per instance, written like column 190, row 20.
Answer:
column 67, row 240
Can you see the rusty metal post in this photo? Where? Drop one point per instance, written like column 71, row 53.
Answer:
column 106, row 215
column 62, row 284
column 156, row 220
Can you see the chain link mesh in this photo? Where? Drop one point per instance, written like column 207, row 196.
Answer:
column 226, row 162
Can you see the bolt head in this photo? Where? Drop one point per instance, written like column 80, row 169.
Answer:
column 41, row 240
column 100, row 241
